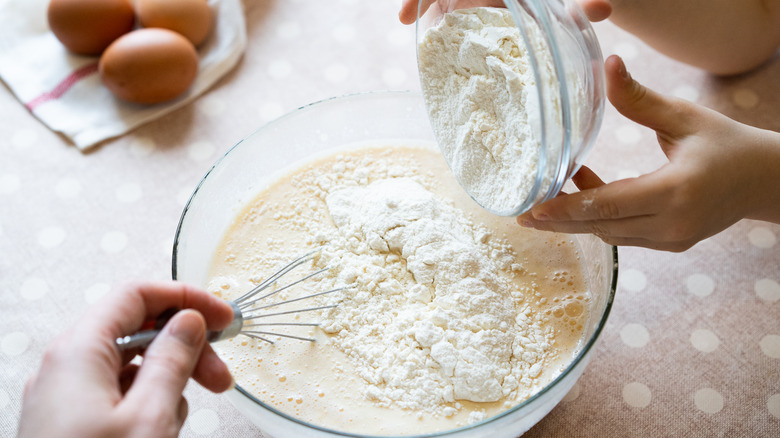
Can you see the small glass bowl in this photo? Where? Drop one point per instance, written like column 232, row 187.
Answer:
column 321, row 128
column 570, row 105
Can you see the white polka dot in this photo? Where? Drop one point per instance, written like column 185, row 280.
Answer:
column 142, row 147
column 637, row 395
column 24, row 138
column 14, row 344
column 700, row 285
column 288, row 29
column 211, row 105
column 573, row 394
column 67, row 188
column 708, row 400
column 93, row 293
column 704, row 340
column 400, row 36
column 50, row 237
column 204, row 422
column 773, row 404
column 767, row 289
column 113, row 242
column 336, row 73
column 628, row 134
column 343, row 33
column 770, row 345
column 128, row 193
column 634, row 335
column 626, row 50
column 200, row 151
column 9, row 183
column 269, row 111
column 762, row 237
column 686, row 92
column 627, row 173
column 279, row 69
column 632, row 280
column 745, row 98
column 4, row 398
column 34, row 288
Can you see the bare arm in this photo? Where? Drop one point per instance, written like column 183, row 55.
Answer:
column 720, row 36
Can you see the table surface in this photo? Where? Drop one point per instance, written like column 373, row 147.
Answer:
column 692, row 346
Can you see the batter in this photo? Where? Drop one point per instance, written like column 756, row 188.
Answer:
column 452, row 315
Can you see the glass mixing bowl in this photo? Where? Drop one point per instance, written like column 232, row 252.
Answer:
column 315, row 129
column 566, row 109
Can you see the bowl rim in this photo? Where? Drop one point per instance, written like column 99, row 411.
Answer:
column 581, row 355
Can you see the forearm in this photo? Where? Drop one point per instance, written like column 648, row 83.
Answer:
column 720, row 36
column 767, row 172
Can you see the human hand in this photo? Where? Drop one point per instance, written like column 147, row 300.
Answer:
column 595, row 10
column 719, row 172
column 86, row 387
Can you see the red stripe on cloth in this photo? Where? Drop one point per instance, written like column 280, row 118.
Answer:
column 63, row 86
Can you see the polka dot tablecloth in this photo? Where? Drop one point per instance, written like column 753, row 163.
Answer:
column 692, row 347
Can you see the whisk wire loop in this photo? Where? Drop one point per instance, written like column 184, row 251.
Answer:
column 245, row 309
column 292, row 300
column 278, row 274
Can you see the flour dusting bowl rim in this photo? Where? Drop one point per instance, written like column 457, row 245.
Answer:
column 399, row 110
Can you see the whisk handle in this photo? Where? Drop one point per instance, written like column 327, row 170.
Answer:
column 143, row 338
column 137, row 340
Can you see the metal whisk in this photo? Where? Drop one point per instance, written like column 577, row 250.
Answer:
column 246, row 312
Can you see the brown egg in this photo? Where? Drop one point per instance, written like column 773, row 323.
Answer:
column 149, row 66
column 87, row 27
column 191, row 18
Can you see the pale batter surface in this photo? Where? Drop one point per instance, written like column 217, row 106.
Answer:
column 385, row 338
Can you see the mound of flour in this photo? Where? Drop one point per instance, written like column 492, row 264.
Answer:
column 434, row 316
column 481, row 96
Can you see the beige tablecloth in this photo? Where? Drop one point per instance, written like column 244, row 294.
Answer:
column 692, row 347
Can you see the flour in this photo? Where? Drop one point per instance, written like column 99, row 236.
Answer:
column 482, row 100
column 450, row 304
column 435, row 317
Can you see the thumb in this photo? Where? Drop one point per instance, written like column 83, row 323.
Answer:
column 596, row 10
column 667, row 116
column 168, row 364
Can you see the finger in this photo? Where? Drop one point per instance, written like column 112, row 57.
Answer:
column 126, row 377
column 123, row 313
column 586, row 179
column 30, row 384
column 211, row 373
column 596, row 10
column 644, row 227
column 670, row 117
column 168, row 364
column 642, row 196
column 647, row 243
column 183, row 411
column 408, row 13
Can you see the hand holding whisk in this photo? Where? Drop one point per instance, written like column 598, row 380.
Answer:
column 246, row 313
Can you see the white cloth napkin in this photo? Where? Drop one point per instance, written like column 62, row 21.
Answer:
column 64, row 91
